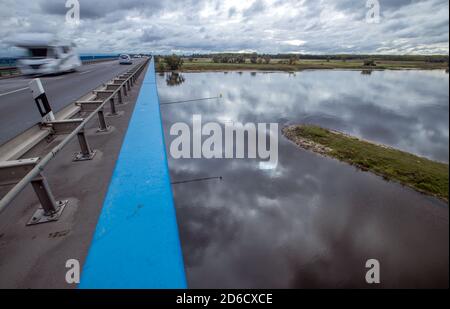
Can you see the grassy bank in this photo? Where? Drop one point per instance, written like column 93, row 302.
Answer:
column 423, row 175
column 206, row 64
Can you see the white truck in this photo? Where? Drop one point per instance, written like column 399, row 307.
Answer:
column 47, row 57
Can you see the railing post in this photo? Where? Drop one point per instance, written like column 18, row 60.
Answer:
column 112, row 103
column 119, row 96
column 125, row 92
column 45, row 196
column 102, row 122
column 86, row 152
column 50, row 209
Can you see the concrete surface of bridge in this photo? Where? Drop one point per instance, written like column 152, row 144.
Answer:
column 35, row 256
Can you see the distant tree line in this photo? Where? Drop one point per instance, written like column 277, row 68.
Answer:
column 241, row 58
column 174, row 62
column 328, row 57
column 225, row 58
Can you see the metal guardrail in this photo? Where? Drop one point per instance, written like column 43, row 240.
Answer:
column 8, row 71
column 51, row 209
column 90, row 61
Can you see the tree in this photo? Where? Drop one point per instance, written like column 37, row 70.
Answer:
column 369, row 63
column 254, row 58
column 293, row 60
column 266, row 59
column 160, row 67
column 174, row 62
column 240, row 59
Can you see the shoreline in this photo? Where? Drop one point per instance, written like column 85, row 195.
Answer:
column 189, row 67
column 420, row 174
column 294, row 71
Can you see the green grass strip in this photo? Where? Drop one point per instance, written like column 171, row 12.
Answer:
column 422, row 174
column 204, row 65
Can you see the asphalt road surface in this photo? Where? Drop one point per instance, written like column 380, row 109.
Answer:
column 18, row 111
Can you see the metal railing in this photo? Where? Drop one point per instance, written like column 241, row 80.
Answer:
column 8, row 71
column 97, row 60
column 35, row 177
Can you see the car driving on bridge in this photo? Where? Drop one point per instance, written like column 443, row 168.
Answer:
column 125, row 59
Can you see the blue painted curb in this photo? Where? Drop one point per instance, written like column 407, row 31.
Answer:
column 136, row 243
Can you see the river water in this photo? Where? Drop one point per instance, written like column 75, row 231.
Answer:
column 311, row 221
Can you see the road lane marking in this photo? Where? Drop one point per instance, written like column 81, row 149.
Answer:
column 81, row 73
column 54, row 78
column 14, row 91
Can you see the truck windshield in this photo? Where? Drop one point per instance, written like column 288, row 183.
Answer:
column 37, row 52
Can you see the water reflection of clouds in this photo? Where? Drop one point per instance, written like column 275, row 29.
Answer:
column 313, row 221
column 390, row 107
column 251, row 230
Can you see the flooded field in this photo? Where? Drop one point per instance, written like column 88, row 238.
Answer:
column 312, row 221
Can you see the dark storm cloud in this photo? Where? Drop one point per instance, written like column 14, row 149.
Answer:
column 384, row 4
column 231, row 12
column 150, row 37
column 100, row 8
column 257, row 7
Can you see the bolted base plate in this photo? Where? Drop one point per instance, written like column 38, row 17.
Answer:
column 81, row 157
column 40, row 217
column 117, row 114
column 104, row 130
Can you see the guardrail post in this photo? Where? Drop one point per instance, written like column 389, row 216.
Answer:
column 45, row 196
column 125, row 92
column 103, row 127
column 50, row 209
column 86, row 152
column 119, row 96
column 112, row 102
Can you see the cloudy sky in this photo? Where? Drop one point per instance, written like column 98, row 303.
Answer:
column 270, row 26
